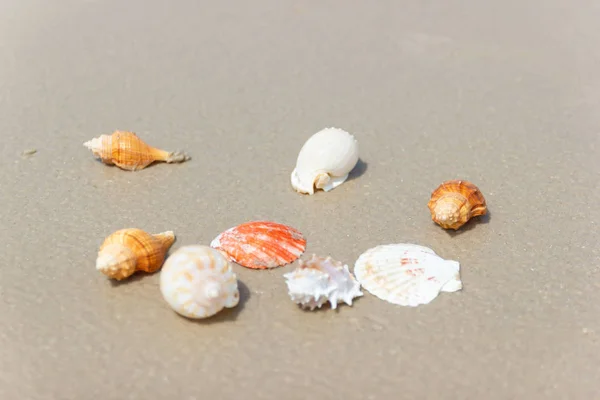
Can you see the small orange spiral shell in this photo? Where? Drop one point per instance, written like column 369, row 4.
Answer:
column 127, row 151
column 129, row 250
column 454, row 202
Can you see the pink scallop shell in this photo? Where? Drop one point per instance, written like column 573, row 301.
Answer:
column 261, row 244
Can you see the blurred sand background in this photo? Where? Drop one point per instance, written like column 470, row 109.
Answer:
column 503, row 93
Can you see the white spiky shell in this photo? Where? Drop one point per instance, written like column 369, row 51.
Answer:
column 198, row 282
column 320, row 280
column 325, row 161
column 406, row 274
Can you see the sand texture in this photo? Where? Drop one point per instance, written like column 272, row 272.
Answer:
column 505, row 94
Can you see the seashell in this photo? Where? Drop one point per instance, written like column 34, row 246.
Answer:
column 129, row 250
column 406, row 274
column 325, row 161
column 198, row 282
column 454, row 202
column 320, row 280
column 127, row 151
column 261, row 244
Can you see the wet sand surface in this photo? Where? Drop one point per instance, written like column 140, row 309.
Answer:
column 505, row 94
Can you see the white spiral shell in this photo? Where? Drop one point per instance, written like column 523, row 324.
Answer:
column 325, row 161
column 198, row 282
column 406, row 274
column 320, row 280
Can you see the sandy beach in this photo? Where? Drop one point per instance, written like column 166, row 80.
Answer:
column 505, row 94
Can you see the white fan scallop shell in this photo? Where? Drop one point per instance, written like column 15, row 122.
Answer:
column 198, row 282
column 325, row 161
column 406, row 274
column 320, row 280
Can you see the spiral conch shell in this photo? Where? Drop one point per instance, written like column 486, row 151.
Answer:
column 319, row 280
column 406, row 274
column 454, row 202
column 198, row 282
column 129, row 250
column 127, row 151
column 325, row 161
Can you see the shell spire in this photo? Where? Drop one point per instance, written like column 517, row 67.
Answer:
column 129, row 250
column 455, row 202
column 166, row 238
column 127, row 151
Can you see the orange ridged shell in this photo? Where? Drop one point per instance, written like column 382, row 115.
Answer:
column 261, row 244
column 129, row 250
column 127, row 151
column 454, row 202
